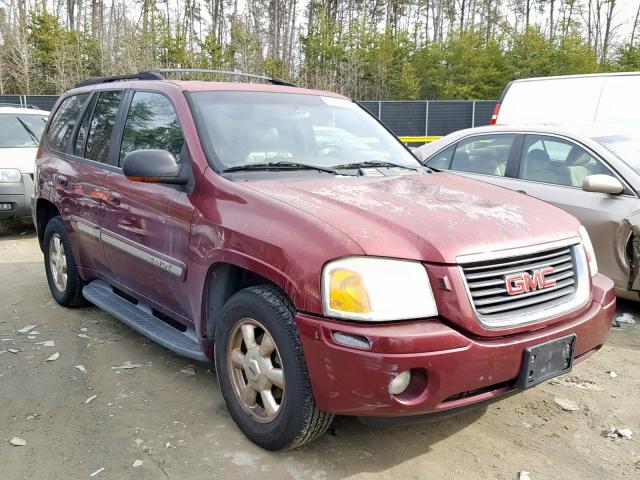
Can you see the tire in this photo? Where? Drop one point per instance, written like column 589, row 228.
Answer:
column 69, row 293
column 297, row 421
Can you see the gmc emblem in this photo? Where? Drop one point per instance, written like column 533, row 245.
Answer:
column 526, row 282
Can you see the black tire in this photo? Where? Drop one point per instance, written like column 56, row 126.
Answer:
column 298, row 421
column 71, row 296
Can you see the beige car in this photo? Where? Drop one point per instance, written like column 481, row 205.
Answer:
column 592, row 172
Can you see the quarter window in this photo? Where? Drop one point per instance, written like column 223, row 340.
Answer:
column 103, row 120
column 151, row 123
column 64, row 121
column 484, row 154
column 557, row 161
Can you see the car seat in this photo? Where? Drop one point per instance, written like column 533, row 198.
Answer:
column 538, row 167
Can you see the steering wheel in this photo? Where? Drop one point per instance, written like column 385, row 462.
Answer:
column 327, row 149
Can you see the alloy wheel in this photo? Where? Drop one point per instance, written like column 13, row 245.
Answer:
column 58, row 262
column 256, row 370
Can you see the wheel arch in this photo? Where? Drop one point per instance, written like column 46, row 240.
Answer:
column 223, row 280
column 45, row 211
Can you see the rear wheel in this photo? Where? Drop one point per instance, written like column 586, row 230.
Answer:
column 62, row 273
column 262, row 371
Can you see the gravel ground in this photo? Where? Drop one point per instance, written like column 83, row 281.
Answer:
column 176, row 424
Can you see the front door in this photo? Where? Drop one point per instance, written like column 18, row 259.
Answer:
column 553, row 169
column 146, row 227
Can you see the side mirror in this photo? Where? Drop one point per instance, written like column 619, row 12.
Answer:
column 602, row 184
column 154, row 166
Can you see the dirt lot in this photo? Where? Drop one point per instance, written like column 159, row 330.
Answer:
column 177, row 425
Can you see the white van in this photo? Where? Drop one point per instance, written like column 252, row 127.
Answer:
column 612, row 98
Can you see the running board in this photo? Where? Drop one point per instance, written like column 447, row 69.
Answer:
column 140, row 318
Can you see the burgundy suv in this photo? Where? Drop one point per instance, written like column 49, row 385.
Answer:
column 288, row 236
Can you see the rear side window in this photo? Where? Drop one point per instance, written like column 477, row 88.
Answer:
column 64, row 121
column 103, row 120
column 483, row 154
column 151, row 123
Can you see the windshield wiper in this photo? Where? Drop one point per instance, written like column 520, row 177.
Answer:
column 28, row 129
column 373, row 163
column 279, row 166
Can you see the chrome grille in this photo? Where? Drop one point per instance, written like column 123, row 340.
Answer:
column 486, row 283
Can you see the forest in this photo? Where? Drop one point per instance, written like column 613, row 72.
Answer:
column 366, row 49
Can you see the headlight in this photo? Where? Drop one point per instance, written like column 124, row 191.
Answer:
column 591, row 254
column 376, row 289
column 10, row 175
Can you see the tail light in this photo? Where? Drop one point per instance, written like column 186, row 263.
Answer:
column 494, row 117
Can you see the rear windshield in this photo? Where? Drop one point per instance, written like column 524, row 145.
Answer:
column 21, row 131
column 625, row 147
column 245, row 128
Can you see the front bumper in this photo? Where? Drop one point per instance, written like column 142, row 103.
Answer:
column 18, row 197
column 454, row 370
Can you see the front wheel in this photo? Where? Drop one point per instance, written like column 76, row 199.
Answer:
column 62, row 273
column 262, row 371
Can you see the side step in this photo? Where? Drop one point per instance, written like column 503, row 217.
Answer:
column 140, row 318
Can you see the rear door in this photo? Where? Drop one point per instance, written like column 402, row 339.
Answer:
column 76, row 181
column 552, row 169
column 146, row 227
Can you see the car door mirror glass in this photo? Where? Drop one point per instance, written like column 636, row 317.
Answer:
column 602, row 184
column 154, row 166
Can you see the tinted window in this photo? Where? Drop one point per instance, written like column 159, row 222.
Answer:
column 557, row 161
column 151, row 123
column 442, row 159
column 103, row 120
column 485, row 154
column 64, row 121
column 21, row 131
column 81, row 136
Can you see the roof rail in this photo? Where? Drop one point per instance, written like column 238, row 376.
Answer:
column 274, row 81
column 146, row 75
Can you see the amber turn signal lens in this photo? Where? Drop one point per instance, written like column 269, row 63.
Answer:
column 347, row 292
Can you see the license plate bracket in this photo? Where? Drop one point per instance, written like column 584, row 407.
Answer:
column 546, row 360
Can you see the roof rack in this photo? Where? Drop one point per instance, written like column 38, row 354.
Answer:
column 274, row 81
column 146, row 75
column 156, row 74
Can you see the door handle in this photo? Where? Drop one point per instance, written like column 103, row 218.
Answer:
column 522, row 192
column 60, row 180
column 114, row 198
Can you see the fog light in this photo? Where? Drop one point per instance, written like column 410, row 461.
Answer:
column 400, row 383
column 5, row 207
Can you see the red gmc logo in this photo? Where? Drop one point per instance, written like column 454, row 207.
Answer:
column 526, row 282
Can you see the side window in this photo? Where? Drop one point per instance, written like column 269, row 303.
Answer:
column 484, row 154
column 101, row 126
column 64, row 122
column 151, row 123
column 557, row 161
column 442, row 159
column 81, row 136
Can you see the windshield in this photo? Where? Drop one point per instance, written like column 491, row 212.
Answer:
column 21, row 131
column 625, row 147
column 251, row 128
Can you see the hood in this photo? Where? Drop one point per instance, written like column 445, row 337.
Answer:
column 21, row 158
column 431, row 217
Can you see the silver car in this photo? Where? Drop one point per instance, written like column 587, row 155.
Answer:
column 592, row 172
